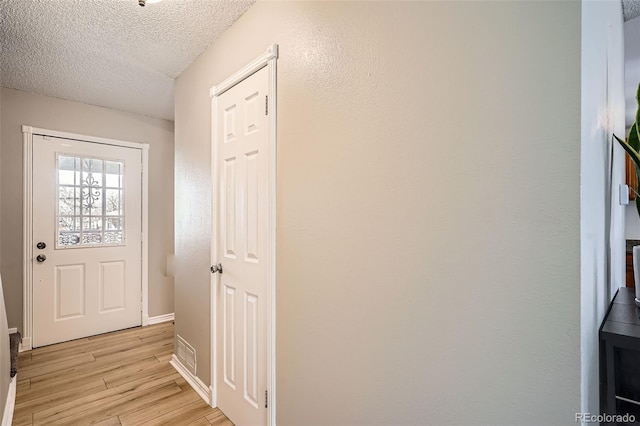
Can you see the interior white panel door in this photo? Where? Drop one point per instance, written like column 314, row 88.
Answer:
column 87, row 253
column 242, row 138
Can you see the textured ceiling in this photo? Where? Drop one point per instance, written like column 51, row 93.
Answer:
column 630, row 9
column 110, row 53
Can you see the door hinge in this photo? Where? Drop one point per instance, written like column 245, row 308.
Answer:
column 266, row 105
column 266, row 399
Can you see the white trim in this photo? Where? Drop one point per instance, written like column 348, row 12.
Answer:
column 27, row 249
column 255, row 65
column 160, row 319
column 214, row 397
column 145, row 235
column 7, row 417
column 27, row 225
column 214, row 279
column 197, row 385
column 83, row 138
column 267, row 59
column 13, row 330
column 271, row 328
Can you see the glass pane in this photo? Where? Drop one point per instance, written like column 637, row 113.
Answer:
column 96, row 208
column 67, row 224
column 91, row 237
column 66, row 201
column 113, row 174
column 68, row 238
column 78, row 200
column 96, row 166
column 86, row 208
column 66, row 177
column 113, row 237
column 90, row 224
column 113, row 224
column 92, row 165
column 112, row 200
column 66, row 163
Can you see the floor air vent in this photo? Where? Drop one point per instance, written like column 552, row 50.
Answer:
column 186, row 354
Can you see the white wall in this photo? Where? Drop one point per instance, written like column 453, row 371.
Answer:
column 631, row 31
column 397, row 303
column 20, row 108
column 602, row 217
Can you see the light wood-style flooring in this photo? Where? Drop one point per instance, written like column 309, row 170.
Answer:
column 120, row 378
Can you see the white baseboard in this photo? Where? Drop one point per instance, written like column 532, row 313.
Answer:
column 160, row 318
column 7, row 418
column 25, row 344
column 194, row 381
column 13, row 330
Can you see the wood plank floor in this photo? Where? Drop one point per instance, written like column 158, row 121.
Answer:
column 120, row 378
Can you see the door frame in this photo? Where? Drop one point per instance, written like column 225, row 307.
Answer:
column 27, row 220
column 269, row 60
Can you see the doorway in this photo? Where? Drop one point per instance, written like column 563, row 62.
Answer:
column 243, row 243
column 85, row 236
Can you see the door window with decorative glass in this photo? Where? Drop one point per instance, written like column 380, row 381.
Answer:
column 90, row 204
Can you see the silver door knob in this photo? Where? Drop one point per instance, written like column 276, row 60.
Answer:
column 41, row 258
column 216, row 268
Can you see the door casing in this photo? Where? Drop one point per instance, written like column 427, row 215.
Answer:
column 27, row 234
column 267, row 59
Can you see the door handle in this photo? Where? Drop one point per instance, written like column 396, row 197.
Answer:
column 41, row 245
column 216, row 268
column 41, row 258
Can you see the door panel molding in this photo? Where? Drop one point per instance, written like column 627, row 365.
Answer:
column 267, row 59
column 27, row 179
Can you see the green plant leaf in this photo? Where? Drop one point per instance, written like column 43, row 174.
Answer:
column 635, row 156
column 634, row 138
column 635, row 127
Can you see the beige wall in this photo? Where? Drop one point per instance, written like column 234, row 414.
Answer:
column 20, row 108
column 5, row 355
column 1, row 181
column 428, row 208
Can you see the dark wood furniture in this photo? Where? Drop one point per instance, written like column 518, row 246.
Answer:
column 620, row 356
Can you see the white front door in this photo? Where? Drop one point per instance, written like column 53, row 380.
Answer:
column 86, row 239
column 242, row 247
